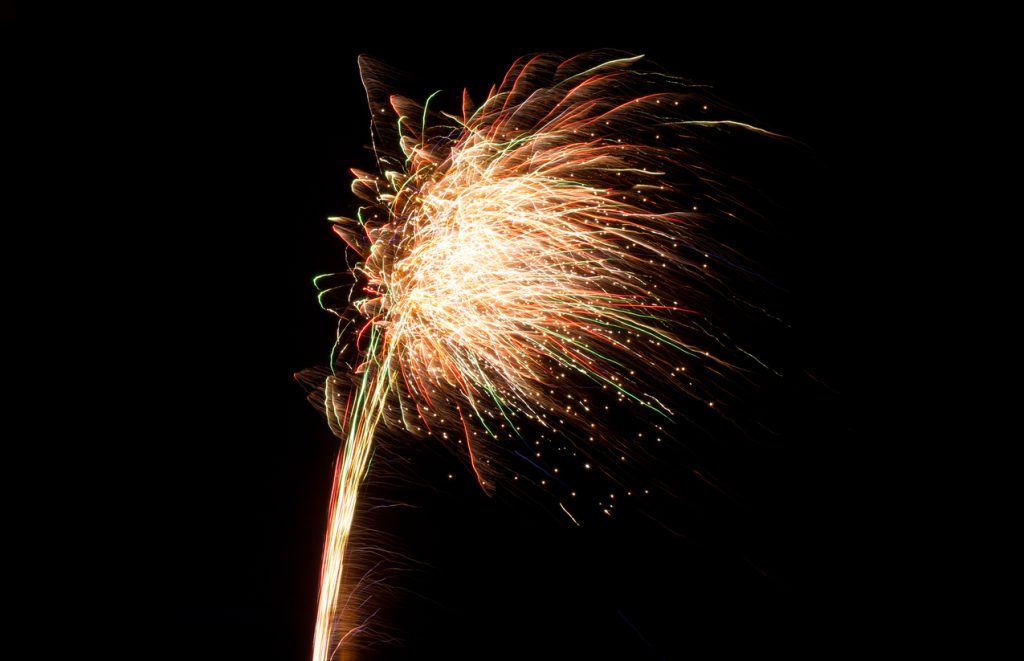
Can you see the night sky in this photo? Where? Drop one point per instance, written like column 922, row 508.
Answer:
column 763, row 539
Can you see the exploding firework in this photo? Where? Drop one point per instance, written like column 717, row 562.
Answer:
column 514, row 257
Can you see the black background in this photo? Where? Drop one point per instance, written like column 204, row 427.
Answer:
column 246, row 148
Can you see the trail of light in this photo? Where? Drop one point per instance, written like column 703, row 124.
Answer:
column 360, row 419
column 569, row 514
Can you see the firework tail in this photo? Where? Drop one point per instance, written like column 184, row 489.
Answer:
column 357, row 415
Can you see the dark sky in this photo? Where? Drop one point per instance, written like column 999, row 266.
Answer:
column 259, row 138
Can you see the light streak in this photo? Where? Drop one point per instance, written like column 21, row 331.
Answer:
column 569, row 514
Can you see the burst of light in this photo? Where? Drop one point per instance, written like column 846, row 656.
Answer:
column 506, row 252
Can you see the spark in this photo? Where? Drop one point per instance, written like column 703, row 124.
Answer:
column 569, row 514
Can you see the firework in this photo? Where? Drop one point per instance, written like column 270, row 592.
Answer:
column 514, row 256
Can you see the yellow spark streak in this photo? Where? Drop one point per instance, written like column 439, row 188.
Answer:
column 348, row 477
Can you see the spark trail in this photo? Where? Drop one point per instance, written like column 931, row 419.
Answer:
column 545, row 238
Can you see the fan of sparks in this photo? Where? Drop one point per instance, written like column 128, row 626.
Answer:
column 511, row 256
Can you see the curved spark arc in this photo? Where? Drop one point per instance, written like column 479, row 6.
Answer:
column 524, row 242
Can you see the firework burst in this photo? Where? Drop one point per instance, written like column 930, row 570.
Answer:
column 514, row 257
